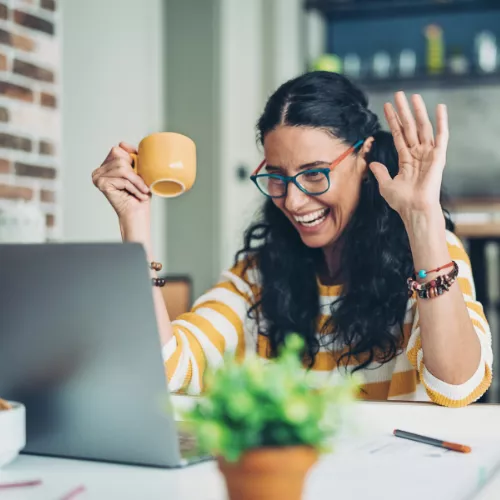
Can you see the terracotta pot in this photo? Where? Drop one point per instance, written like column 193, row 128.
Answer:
column 269, row 473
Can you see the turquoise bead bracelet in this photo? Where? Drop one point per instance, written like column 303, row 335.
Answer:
column 422, row 274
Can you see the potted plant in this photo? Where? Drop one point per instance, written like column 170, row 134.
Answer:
column 267, row 423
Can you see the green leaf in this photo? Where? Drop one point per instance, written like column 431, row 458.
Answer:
column 253, row 403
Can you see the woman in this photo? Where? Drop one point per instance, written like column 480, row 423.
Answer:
column 351, row 214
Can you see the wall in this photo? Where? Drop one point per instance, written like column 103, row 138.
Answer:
column 113, row 90
column 30, row 107
column 224, row 58
column 192, row 108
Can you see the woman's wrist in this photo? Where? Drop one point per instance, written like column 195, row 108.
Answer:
column 418, row 223
column 137, row 229
column 427, row 236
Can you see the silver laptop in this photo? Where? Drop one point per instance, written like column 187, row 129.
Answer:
column 79, row 348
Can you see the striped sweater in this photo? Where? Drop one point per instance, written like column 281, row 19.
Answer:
column 218, row 325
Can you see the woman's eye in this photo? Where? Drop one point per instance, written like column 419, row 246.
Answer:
column 312, row 175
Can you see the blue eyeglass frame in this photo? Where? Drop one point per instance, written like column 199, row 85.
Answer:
column 287, row 179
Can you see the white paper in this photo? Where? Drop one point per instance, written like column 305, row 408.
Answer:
column 384, row 466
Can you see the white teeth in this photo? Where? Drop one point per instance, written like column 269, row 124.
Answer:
column 312, row 219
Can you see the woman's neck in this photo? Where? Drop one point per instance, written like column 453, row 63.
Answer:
column 330, row 272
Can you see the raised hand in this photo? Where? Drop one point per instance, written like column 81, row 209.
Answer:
column 422, row 157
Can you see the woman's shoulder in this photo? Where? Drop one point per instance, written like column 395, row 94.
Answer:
column 245, row 268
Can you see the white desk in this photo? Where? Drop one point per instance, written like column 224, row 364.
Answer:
column 203, row 482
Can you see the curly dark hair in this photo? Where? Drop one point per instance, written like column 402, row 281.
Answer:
column 375, row 256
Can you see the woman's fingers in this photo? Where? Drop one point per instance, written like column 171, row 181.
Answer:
column 397, row 133
column 128, row 147
column 424, row 125
column 121, row 168
column 107, row 184
column 120, row 152
column 443, row 133
column 407, row 120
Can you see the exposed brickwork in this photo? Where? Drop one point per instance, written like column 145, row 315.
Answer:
column 4, row 166
column 29, row 111
column 46, row 148
column 10, row 141
column 22, row 42
column 32, row 71
column 15, row 192
column 48, row 4
column 37, row 171
column 50, row 220
column 48, row 100
column 16, row 91
column 47, row 196
column 33, row 22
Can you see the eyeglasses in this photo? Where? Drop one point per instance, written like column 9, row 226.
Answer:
column 314, row 181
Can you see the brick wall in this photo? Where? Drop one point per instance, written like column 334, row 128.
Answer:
column 29, row 107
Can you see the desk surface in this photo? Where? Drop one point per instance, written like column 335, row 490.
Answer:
column 203, row 482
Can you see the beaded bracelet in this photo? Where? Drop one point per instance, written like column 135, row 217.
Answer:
column 158, row 282
column 435, row 287
column 155, row 266
column 423, row 273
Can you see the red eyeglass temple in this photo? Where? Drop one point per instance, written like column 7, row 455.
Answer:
column 334, row 163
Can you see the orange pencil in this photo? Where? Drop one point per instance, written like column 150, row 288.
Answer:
column 434, row 442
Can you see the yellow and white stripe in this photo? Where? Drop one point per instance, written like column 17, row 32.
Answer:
column 218, row 326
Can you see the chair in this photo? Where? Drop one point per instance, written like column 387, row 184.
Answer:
column 177, row 294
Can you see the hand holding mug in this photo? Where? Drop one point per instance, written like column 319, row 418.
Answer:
column 115, row 178
column 164, row 164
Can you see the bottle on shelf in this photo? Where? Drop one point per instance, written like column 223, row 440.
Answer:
column 381, row 65
column 407, row 63
column 457, row 62
column 435, row 49
column 352, row 66
column 328, row 62
column 486, row 52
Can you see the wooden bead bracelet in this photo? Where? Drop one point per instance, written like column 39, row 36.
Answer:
column 155, row 266
column 158, row 282
column 435, row 287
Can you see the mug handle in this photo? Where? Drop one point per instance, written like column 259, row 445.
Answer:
column 134, row 161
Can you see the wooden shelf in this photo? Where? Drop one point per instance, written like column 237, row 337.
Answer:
column 484, row 228
column 355, row 9
column 444, row 81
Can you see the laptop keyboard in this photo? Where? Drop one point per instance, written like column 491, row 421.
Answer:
column 187, row 442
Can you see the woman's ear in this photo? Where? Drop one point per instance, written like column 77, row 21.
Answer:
column 367, row 145
column 363, row 152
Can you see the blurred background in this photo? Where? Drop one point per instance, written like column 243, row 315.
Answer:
column 77, row 77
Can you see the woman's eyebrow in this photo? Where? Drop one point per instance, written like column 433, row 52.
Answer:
column 302, row 167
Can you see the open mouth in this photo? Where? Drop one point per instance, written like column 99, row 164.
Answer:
column 312, row 219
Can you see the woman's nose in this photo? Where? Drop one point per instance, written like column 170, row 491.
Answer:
column 295, row 198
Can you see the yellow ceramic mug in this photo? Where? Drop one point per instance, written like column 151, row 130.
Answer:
column 166, row 161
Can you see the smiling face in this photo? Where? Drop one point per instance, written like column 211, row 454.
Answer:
column 320, row 220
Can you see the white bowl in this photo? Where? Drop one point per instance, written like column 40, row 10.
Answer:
column 12, row 432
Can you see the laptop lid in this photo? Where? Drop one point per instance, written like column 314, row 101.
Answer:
column 79, row 348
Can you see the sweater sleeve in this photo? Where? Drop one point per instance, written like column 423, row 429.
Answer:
column 211, row 330
column 439, row 391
